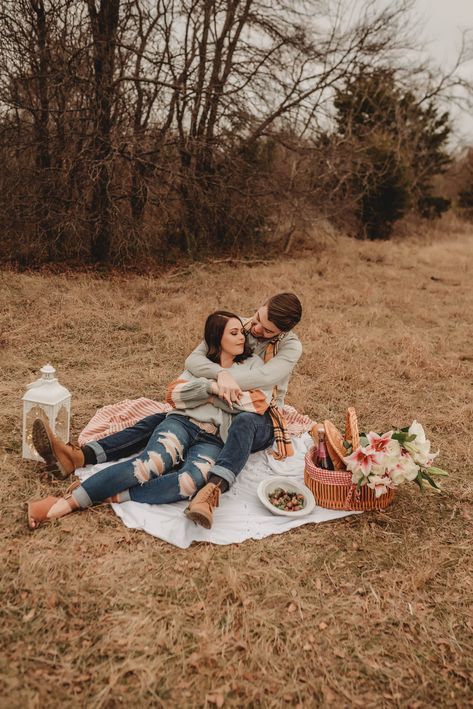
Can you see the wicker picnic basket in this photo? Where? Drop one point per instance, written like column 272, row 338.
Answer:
column 334, row 489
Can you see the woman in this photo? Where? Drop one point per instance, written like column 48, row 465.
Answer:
column 188, row 439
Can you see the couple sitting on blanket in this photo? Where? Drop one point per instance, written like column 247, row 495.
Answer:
column 227, row 404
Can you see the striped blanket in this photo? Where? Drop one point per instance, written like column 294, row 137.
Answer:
column 115, row 417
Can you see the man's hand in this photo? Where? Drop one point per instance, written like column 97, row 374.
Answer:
column 228, row 388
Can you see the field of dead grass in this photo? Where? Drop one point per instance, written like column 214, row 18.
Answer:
column 371, row 611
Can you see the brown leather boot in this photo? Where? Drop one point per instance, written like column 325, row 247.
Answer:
column 61, row 458
column 201, row 507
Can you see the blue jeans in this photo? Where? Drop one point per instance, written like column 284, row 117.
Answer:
column 248, row 433
column 128, row 442
column 173, row 466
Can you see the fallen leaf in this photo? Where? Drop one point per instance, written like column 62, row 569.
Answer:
column 323, row 625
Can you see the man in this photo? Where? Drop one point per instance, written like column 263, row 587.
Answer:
column 269, row 331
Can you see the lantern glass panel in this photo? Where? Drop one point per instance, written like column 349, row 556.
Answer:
column 62, row 424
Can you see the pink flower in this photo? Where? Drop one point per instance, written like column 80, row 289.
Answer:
column 379, row 484
column 403, row 469
column 379, row 443
column 361, row 460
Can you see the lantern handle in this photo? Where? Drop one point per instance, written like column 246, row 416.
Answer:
column 48, row 373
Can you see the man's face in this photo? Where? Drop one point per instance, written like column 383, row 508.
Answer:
column 261, row 327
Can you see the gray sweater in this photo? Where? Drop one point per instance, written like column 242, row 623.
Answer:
column 275, row 372
column 191, row 396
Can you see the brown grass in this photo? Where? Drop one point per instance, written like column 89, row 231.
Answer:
column 371, row 611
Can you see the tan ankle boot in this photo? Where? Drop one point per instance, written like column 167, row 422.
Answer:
column 201, row 507
column 61, row 458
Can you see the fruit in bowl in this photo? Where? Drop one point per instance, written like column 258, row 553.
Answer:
column 287, row 501
column 283, row 496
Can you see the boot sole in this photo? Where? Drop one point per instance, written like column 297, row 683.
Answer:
column 198, row 518
column 44, row 448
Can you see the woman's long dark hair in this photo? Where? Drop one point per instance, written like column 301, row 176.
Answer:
column 213, row 332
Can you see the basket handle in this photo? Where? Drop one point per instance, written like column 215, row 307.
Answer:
column 352, row 433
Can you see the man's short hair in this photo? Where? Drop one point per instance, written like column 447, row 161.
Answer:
column 284, row 310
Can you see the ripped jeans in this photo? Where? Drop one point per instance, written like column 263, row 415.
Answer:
column 173, row 466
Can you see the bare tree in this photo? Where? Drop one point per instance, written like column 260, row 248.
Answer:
column 104, row 24
column 137, row 124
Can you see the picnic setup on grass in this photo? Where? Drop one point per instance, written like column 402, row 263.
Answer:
column 330, row 475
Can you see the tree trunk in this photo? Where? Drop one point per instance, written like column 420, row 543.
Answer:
column 104, row 24
column 41, row 129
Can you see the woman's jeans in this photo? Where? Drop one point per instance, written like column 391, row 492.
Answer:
column 173, row 466
column 128, row 442
column 248, row 433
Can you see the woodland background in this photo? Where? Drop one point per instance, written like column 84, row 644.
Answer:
column 136, row 132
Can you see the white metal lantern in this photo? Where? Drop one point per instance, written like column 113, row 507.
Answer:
column 50, row 401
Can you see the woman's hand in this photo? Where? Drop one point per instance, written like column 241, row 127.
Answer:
column 228, row 389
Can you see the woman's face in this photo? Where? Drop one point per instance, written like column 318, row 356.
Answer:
column 233, row 338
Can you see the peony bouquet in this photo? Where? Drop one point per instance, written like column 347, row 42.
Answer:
column 385, row 461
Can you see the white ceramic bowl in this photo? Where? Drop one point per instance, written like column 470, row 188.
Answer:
column 267, row 486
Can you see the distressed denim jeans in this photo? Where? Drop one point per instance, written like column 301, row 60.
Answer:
column 249, row 433
column 173, row 466
column 128, row 442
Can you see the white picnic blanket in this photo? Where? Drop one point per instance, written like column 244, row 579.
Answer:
column 240, row 515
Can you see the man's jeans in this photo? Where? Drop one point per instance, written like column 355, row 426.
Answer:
column 248, row 433
column 173, row 466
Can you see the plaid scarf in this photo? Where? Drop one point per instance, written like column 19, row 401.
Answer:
column 282, row 438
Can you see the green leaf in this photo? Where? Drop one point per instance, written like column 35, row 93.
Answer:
column 430, row 480
column 419, row 480
column 403, row 437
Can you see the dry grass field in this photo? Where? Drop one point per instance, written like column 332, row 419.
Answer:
column 371, row 611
